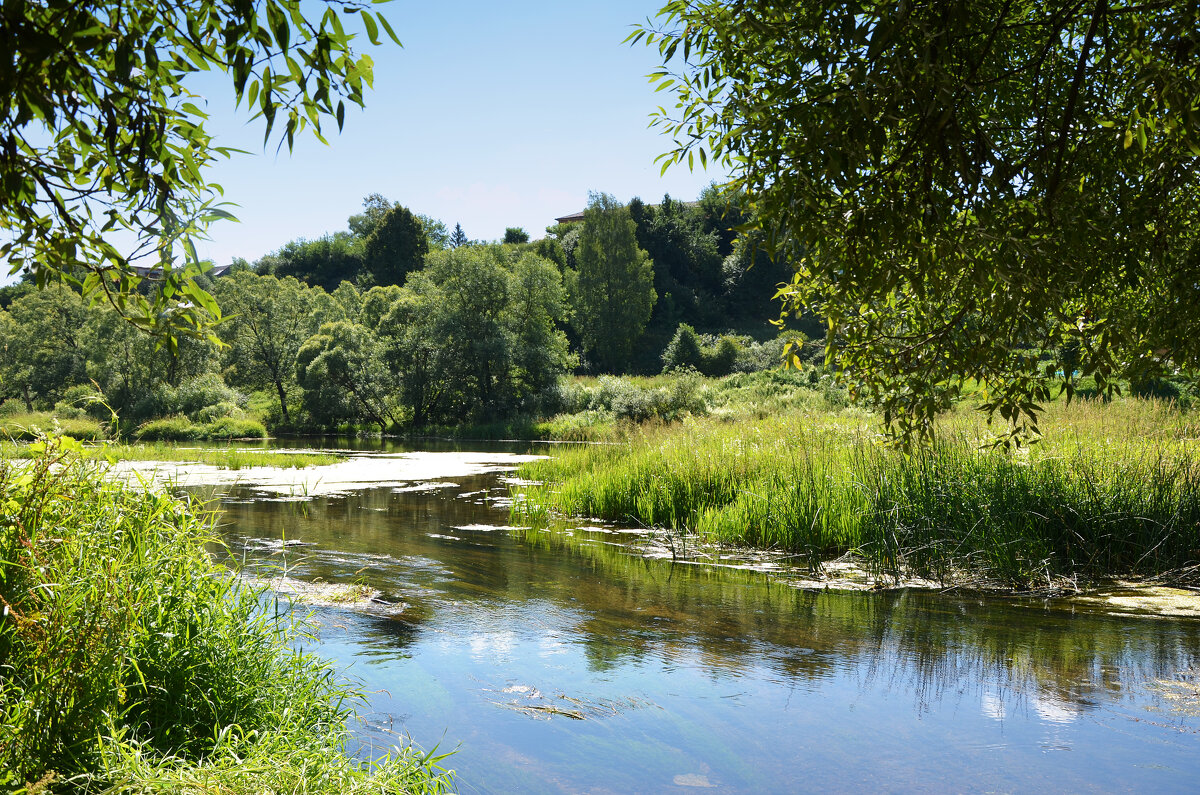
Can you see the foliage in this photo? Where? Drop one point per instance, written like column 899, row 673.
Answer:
column 613, row 288
column 340, row 370
column 31, row 426
column 267, row 321
column 957, row 185
column 515, row 234
column 396, row 246
column 43, row 352
column 1117, row 493
column 476, row 335
column 98, row 132
column 131, row 659
column 685, row 351
column 458, row 237
column 325, row 262
column 687, row 263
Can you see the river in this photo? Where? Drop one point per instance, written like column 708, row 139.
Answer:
column 572, row 664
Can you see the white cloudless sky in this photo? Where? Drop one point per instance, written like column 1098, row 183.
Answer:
column 491, row 115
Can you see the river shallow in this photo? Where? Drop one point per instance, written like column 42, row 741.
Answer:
column 558, row 663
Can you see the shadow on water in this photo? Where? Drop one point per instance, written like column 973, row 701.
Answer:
column 566, row 663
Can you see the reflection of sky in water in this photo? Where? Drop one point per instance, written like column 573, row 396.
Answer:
column 689, row 679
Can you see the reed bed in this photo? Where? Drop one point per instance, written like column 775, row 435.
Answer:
column 130, row 661
column 1112, row 490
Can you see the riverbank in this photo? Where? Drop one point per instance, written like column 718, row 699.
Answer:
column 1112, row 490
column 131, row 661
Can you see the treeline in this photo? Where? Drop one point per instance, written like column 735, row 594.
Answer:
column 399, row 322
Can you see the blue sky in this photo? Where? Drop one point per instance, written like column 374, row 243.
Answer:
column 492, row 115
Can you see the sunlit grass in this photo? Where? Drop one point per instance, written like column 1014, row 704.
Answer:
column 131, row 661
column 225, row 457
column 1110, row 489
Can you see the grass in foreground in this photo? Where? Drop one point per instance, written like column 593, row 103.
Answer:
column 131, row 662
column 1113, row 490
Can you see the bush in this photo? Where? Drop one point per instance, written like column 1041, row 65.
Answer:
column 683, row 350
column 205, row 391
column 169, row 429
column 12, row 407
column 627, row 401
column 161, row 400
column 218, row 411
column 88, row 400
column 234, row 428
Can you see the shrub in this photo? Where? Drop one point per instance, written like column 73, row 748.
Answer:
column 719, row 360
column 234, row 428
column 683, row 350
column 12, row 407
column 204, row 391
column 169, row 429
column 88, row 400
column 218, row 411
column 161, row 400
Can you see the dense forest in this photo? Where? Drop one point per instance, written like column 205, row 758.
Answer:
column 399, row 322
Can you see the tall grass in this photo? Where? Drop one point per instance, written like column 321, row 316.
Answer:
column 1113, row 490
column 132, row 662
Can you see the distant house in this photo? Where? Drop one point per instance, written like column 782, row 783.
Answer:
column 571, row 219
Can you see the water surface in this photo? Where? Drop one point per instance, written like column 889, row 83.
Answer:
column 568, row 663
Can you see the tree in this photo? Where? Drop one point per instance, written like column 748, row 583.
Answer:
column 458, row 237
column 515, row 234
column 99, row 133
column 613, row 288
column 435, row 231
column 342, row 375
column 396, row 246
column 375, row 207
column 267, row 320
column 325, row 262
column 963, row 189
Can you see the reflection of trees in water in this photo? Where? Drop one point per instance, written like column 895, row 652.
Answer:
column 934, row 646
column 627, row 610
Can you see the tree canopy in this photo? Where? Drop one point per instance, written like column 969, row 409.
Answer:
column 613, row 287
column 99, row 133
column 1002, row 194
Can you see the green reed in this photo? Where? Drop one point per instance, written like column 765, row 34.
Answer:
column 130, row 661
column 1113, row 490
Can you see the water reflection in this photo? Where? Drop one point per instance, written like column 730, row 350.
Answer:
column 567, row 664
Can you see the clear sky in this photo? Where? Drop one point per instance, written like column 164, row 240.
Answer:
column 491, row 115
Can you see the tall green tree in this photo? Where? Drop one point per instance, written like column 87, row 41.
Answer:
column 612, row 292
column 98, row 131
column 267, row 320
column 340, row 369
column 396, row 246
column 458, row 237
column 960, row 185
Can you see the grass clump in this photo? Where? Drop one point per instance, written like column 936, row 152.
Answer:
column 29, row 426
column 182, row 429
column 1114, row 491
column 130, row 661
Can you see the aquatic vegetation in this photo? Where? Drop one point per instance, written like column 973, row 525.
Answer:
column 226, row 457
column 131, row 661
column 1112, row 490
